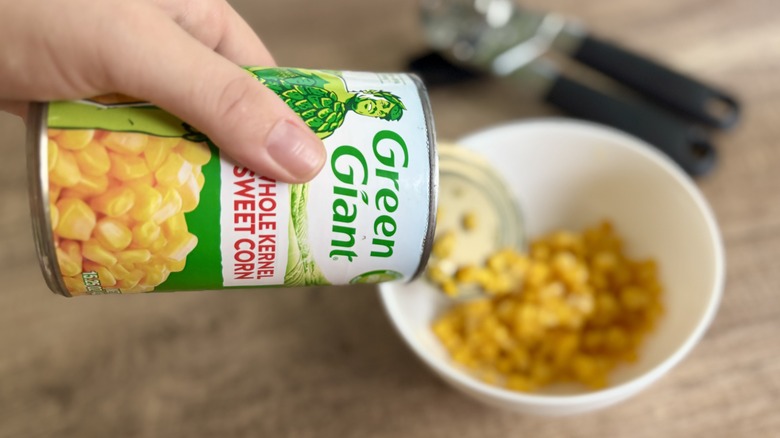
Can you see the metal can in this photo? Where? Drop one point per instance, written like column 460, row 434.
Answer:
column 126, row 198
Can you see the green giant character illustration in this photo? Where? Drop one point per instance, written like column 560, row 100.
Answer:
column 322, row 100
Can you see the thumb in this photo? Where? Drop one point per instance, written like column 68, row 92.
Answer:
column 239, row 114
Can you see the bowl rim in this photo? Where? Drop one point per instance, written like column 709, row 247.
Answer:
column 635, row 384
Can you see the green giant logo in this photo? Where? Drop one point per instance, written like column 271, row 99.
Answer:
column 354, row 174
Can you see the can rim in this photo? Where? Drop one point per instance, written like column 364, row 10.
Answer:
column 433, row 177
column 38, row 177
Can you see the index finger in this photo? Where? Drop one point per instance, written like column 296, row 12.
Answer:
column 218, row 26
column 246, row 119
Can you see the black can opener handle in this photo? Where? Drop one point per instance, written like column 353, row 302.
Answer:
column 699, row 102
column 684, row 143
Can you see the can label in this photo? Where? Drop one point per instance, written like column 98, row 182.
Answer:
column 140, row 201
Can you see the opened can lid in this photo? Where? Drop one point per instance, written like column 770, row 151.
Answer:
column 475, row 205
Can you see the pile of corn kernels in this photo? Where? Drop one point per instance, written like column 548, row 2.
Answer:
column 117, row 204
column 571, row 310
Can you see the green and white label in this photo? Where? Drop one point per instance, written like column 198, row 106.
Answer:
column 363, row 219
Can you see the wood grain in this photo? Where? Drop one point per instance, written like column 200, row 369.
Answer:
column 325, row 362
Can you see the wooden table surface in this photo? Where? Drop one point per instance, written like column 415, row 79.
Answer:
column 325, row 362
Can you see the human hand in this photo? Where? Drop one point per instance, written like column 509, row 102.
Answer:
column 181, row 55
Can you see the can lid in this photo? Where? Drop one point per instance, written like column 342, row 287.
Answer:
column 476, row 206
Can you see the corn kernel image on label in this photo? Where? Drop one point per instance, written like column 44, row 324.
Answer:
column 127, row 198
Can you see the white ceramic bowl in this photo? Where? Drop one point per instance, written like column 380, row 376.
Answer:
column 568, row 174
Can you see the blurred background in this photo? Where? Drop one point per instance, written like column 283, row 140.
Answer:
column 325, row 362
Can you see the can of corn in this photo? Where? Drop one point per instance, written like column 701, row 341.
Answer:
column 127, row 198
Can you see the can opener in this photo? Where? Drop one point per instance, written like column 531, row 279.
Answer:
column 471, row 38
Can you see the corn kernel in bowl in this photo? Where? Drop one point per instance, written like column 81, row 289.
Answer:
column 571, row 310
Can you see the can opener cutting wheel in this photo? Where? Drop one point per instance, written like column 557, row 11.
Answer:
column 497, row 37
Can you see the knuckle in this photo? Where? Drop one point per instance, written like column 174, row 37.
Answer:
column 203, row 19
column 195, row 13
column 233, row 101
